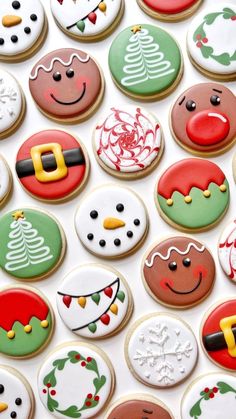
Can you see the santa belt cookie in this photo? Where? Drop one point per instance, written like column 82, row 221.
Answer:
column 224, row 339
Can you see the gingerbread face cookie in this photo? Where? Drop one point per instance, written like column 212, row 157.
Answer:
column 138, row 406
column 171, row 10
column 5, row 180
column 202, row 119
column 57, row 175
column 67, row 85
column 227, row 250
column 192, row 194
column 178, row 272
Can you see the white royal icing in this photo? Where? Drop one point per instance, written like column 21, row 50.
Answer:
column 4, row 179
column 85, row 281
column 10, row 100
column 149, row 264
column 104, row 200
column 227, row 250
column 162, row 350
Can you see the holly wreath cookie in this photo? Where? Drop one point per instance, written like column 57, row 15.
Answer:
column 32, row 244
column 76, row 381
column 52, row 165
column 26, row 322
column 145, row 62
column 170, row 10
column 202, row 119
column 192, row 195
column 210, row 41
column 87, row 20
column 178, row 272
column 23, row 29
column 227, row 250
column 112, row 221
column 128, row 142
column 5, row 181
column 67, row 85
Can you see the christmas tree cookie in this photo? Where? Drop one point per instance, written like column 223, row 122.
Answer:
column 32, row 244
column 145, row 62
column 170, row 10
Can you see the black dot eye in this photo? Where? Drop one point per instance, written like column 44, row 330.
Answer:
column 90, row 236
column 186, row 262
column 16, row 5
column 33, row 17
column 172, row 266
column 1, row 41
column 13, row 415
column 70, row 73
column 18, row 401
column 1, row 389
column 136, row 222
column 215, row 100
column 57, row 76
column 130, row 234
column 27, row 30
column 190, row 105
column 117, row 242
column 14, row 39
column 94, row 214
column 120, row 207
column 102, row 243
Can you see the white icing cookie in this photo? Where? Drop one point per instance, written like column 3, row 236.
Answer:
column 11, row 101
column 227, row 250
column 76, row 381
column 94, row 301
column 210, row 396
column 234, row 167
column 161, row 350
column 5, row 180
column 111, row 221
column 211, row 39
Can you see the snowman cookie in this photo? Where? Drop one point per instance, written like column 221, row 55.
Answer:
column 87, row 20
column 227, row 250
column 171, row 10
column 5, row 180
column 111, row 221
column 16, row 396
column 23, row 29
column 74, row 366
column 67, row 85
column 210, row 41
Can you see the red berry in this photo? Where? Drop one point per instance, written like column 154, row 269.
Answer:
column 77, row 356
column 233, row 17
column 199, row 36
column 53, row 392
column 215, row 390
column 48, row 385
column 83, row 364
column 89, row 396
column 96, row 398
column 199, row 44
column 88, row 404
column 211, row 395
column 89, row 359
column 205, row 40
column 206, row 390
column 44, row 391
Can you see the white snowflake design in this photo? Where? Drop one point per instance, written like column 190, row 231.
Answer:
column 7, row 93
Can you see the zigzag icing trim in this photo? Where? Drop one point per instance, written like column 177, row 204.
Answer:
column 185, row 252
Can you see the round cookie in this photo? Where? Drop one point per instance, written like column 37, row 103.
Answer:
column 67, row 85
column 210, row 396
column 210, row 41
column 227, row 251
column 23, row 29
column 5, row 180
column 178, row 272
column 171, row 10
column 161, row 350
column 32, row 244
column 145, row 62
column 111, row 221
column 203, row 121
column 58, row 175
column 74, row 366
column 87, row 20
column 94, row 301
column 218, row 334
column 128, row 143
column 17, row 399
column 192, row 195
column 234, row 167
column 26, row 322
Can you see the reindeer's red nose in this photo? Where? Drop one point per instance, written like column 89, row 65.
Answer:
column 208, row 127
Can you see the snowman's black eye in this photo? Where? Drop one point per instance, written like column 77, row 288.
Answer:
column 136, row 222
column 18, row 401
column 13, row 415
column 94, row 214
column 1, row 389
column 33, row 17
column 16, row 5
column 120, row 207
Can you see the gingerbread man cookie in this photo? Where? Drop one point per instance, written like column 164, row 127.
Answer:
column 171, row 10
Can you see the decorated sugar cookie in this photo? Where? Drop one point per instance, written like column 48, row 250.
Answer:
column 218, row 334
column 67, row 85
column 234, row 167
column 202, row 119
column 5, row 180
column 52, row 165
column 171, row 10
column 178, row 271
column 192, row 194
column 210, row 396
column 23, row 28
column 210, row 41
column 76, row 381
column 227, row 250
column 145, row 62
column 32, row 244
column 128, row 143
column 26, row 322
column 161, row 350
column 94, row 301
column 88, row 20
column 111, row 221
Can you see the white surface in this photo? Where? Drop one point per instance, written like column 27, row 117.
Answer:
column 129, row 267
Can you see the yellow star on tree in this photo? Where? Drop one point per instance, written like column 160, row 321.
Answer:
column 136, row 28
column 18, row 214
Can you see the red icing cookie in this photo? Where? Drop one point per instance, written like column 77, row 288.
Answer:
column 170, row 6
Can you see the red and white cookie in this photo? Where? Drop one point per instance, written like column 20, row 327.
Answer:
column 169, row 10
column 227, row 250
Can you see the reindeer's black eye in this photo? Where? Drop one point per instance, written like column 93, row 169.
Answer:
column 215, row 100
column 190, row 105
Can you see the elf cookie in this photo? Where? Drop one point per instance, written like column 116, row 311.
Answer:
column 5, row 180
column 218, row 334
column 203, row 121
column 23, row 29
column 16, row 396
column 67, row 85
column 52, row 165
column 145, row 62
column 32, row 244
column 171, row 10
column 161, row 350
column 227, row 250
column 210, row 41
column 76, row 380
column 192, row 194
column 210, row 396
column 178, row 272
column 26, row 322
column 87, row 20
column 128, row 143
column 94, row 301
column 111, row 221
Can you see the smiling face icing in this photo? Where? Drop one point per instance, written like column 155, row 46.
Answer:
column 139, row 409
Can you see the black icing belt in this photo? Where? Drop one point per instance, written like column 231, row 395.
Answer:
column 216, row 341
column 72, row 157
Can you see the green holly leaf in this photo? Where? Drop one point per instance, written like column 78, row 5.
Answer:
column 50, row 379
column 52, row 404
column 75, row 357
column 199, row 31
column 223, row 58
column 206, row 396
column 211, row 17
column 60, row 363
column 233, row 57
column 206, row 51
column 228, row 13
column 99, row 383
column 71, row 412
column 196, row 411
column 225, row 388
column 92, row 366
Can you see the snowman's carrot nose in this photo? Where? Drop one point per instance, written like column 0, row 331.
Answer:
column 3, row 407
column 113, row 223
column 11, row 20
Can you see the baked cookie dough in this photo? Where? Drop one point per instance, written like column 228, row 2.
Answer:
column 227, row 251
column 5, row 181
column 170, row 10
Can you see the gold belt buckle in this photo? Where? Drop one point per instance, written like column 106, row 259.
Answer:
column 42, row 175
column 226, row 327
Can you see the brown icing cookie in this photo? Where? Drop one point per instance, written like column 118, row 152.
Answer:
column 67, row 85
column 203, row 119
column 178, row 272
column 139, row 409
